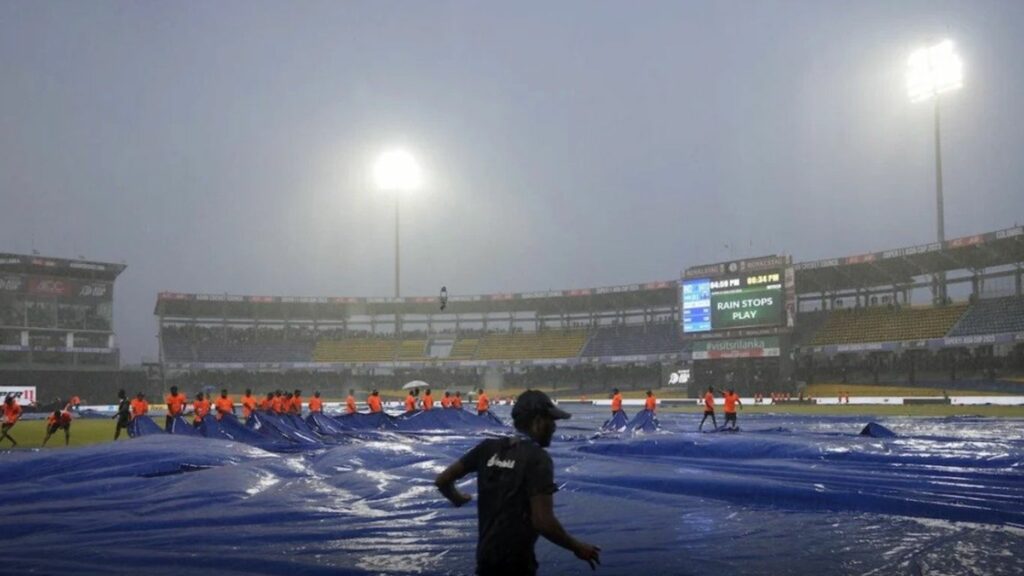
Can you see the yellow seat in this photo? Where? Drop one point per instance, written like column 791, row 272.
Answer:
column 886, row 325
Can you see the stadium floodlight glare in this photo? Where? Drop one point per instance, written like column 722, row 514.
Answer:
column 398, row 172
column 933, row 70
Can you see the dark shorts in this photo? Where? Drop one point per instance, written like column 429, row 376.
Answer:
column 52, row 428
column 730, row 416
column 709, row 413
column 527, row 569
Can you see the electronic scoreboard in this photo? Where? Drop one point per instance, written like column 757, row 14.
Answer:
column 736, row 300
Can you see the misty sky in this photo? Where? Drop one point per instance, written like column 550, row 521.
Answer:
column 226, row 146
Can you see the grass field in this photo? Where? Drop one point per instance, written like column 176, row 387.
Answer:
column 833, row 390
column 867, row 410
column 824, row 390
column 29, row 433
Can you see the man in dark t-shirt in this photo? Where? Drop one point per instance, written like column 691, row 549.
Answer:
column 515, row 479
column 123, row 414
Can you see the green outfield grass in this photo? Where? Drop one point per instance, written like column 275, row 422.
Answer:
column 834, row 390
column 991, row 411
column 84, row 432
column 30, row 433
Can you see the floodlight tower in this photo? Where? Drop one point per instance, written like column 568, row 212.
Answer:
column 397, row 172
column 933, row 71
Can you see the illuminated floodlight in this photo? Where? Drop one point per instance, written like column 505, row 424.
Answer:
column 397, row 170
column 933, row 70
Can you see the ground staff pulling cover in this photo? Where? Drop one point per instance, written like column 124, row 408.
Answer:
column 787, row 495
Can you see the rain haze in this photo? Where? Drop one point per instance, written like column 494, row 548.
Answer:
column 227, row 146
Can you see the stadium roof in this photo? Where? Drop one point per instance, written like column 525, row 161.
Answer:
column 889, row 267
column 35, row 264
column 650, row 295
column 900, row 265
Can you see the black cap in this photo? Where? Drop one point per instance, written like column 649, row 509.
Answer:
column 533, row 402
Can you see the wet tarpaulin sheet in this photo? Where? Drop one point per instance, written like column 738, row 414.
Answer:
column 446, row 420
column 325, row 425
column 619, row 421
column 876, row 430
column 360, row 421
column 644, row 421
column 143, row 427
column 787, row 495
column 183, row 427
column 229, row 428
column 281, row 427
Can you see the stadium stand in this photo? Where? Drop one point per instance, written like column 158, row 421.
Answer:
column 356, row 350
column 560, row 344
column 845, row 320
column 177, row 347
column 232, row 345
column 995, row 316
column 887, row 324
column 412, row 350
column 875, row 324
column 240, row 347
column 56, row 314
column 464, row 349
column 217, row 351
column 564, row 381
column 808, row 325
column 627, row 340
column 523, row 346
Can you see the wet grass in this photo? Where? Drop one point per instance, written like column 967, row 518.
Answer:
column 84, row 432
column 990, row 411
column 834, row 390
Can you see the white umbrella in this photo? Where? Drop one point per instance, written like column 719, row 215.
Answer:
column 415, row 384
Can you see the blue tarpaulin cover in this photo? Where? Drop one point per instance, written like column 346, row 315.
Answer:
column 281, row 427
column 183, row 427
column 143, row 427
column 876, row 430
column 325, row 425
column 617, row 423
column 446, row 420
column 360, row 421
column 644, row 421
column 788, row 495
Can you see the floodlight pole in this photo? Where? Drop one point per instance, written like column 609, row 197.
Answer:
column 932, row 71
column 398, row 282
column 396, row 172
column 940, row 215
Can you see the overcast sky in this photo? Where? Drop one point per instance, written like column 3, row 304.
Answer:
column 226, row 146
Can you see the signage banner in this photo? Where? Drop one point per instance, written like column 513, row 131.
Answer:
column 23, row 395
column 56, row 287
column 737, row 267
column 12, row 283
column 952, row 244
column 929, row 344
column 764, row 347
column 57, row 263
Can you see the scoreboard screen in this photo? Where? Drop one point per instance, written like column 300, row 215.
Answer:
column 748, row 300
